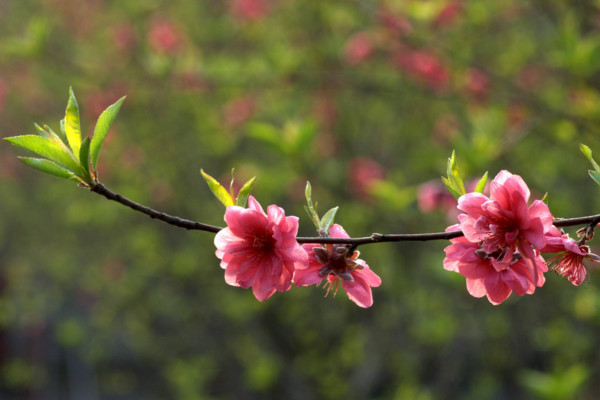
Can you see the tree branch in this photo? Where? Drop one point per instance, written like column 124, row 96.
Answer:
column 99, row 188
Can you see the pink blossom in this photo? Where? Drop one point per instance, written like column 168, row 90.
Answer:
column 478, row 84
column 568, row 262
column 432, row 195
column 424, row 66
column 449, row 14
column 164, row 37
column 504, row 224
column 358, row 48
column 398, row 25
column 249, row 10
column 333, row 263
column 239, row 110
column 259, row 250
column 487, row 278
column 363, row 174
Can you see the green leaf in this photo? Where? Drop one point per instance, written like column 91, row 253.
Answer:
column 218, row 190
column 451, row 188
column 481, row 184
column 454, row 175
column 242, row 197
column 47, row 148
column 42, row 132
column 47, row 166
column 595, row 176
column 267, row 134
column 327, row 219
column 72, row 128
column 587, row 152
column 84, row 157
column 310, row 209
column 101, row 130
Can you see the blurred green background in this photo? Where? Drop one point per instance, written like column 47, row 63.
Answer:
column 366, row 99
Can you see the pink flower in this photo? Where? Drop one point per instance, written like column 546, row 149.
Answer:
column 478, row 84
column 424, row 66
column 164, row 37
column 504, row 224
column 487, row 278
column 363, row 174
column 239, row 110
column 358, row 48
column 249, row 10
column 449, row 14
column 333, row 263
column 568, row 262
column 259, row 250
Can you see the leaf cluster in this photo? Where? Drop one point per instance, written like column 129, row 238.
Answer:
column 65, row 154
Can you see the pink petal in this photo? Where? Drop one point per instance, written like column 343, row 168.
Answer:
column 261, row 294
column 471, row 203
column 359, row 292
column 497, row 290
column 521, row 211
column 255, row 205
column 368, row 276
column 517, row 282
column 337, row 231
column 515, row 184
column 476, row 287
column 535, row 234
column 539, row 209
column 306, row 277
column 275, row 214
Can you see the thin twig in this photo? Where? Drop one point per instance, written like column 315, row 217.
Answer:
column 374, row 238
column 169, row 219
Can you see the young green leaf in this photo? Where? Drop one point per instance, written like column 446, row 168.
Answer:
column 72, row 128
column 454, row 175
column 310, row 209
column 101, row 130
column 47, row 166
column 595, row 176
column 42, row 132
column 450, row 188
column 242, row 197
column 218, row 190
column 327, row 219
column 84, row 157
column 587, row 152
column 481, row 184
column 47, row 148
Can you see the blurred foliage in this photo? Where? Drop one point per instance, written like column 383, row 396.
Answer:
column 366, row 100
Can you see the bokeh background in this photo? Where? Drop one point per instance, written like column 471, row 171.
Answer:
column 366, row 99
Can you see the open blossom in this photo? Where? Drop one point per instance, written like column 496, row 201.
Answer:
column 259, row 250
column 504, row 224
column 568, row 261
column 334, row 264
column 486, row 278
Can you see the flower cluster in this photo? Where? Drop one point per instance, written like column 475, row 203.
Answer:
column 260, row 250
column 504, row 237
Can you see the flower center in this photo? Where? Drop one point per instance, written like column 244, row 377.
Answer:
column 264, row 241
column 336, row 261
